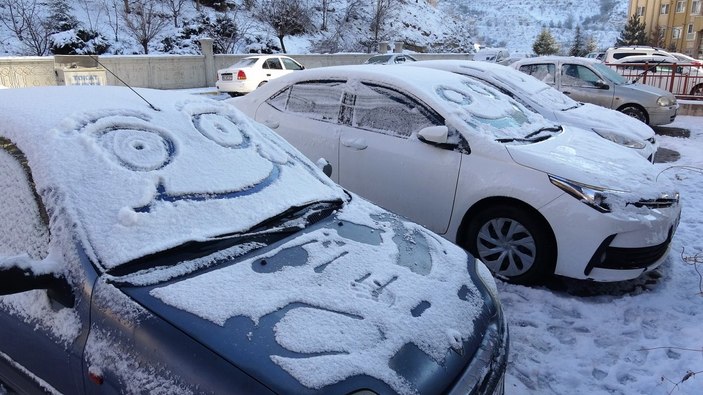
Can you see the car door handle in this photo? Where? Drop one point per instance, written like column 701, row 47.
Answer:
column 272, row 124
column 268, row 75
column 355, row 143
column 566, row 92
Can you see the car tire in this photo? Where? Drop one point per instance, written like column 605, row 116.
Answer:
column 697, row 90
column 512, row 243
column 635, row 112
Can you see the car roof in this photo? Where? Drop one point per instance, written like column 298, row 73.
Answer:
column 557, row 59
column 126, row 169
column 645, row 58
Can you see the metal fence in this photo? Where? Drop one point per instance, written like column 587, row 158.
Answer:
column 684, row 80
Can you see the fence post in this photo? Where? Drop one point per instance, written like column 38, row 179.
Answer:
column 209, row 61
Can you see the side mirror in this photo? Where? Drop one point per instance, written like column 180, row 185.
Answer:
column 15, row 280
column 600, row 84
column 434, row 134
column 324, row 165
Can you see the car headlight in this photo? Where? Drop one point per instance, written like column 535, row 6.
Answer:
column 666, row 101
column 588, row 194
column 618, row 138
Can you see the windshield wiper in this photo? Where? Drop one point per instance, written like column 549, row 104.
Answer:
column 531, row 137
column 266, row 232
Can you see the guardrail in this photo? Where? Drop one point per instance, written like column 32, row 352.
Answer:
column 684, row 80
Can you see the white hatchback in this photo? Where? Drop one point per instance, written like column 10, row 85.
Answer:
column 554, row 105
column 251, row 72
column 528, row 197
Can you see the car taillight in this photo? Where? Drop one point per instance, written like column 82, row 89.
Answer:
column 241, row 75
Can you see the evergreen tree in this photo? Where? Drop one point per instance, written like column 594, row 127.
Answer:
column 634, row 33
column 578, row 46
column 591, row 44
column 545, row 44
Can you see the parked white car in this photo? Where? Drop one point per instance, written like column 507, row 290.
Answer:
column 615, row 53
column 251, row 72
column 591, row 81
column 554, row 105
column 525, row 196
column 666, row 72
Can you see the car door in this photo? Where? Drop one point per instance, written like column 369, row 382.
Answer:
column 582, row 83
column 272, row 68
column 42, row 331
column 381, row 158
column 305, row 114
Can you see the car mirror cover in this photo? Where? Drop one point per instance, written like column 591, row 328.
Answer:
column 434, row 134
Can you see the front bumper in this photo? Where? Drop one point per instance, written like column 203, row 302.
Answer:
column 662, row 115
column 612, row 246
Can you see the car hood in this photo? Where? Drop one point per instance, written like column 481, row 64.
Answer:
column 585, row 157
column 590, row 116
column 361, row 299
column 649, row 89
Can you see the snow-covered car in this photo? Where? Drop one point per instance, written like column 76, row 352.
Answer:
column 666, row 72
column 253, row 71
column 527, row 197
column 393, row 58
column 172, row 245
column 591, row 81
column 554, row 105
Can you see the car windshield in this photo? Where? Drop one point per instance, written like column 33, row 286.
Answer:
column 610, row 74
column 141, row 181
column 246, row 62
column 379, row 59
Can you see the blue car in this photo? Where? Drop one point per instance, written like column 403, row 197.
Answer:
column 163, row 243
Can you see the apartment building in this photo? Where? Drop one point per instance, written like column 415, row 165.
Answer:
column 675, row 25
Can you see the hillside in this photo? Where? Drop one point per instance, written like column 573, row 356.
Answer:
column 174, row 26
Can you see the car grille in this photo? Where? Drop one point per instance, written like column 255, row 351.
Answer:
column 618, row 258
column 656, row 203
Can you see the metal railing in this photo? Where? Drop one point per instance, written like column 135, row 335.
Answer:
column 684, row 80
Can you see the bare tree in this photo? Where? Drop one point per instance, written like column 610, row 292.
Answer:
column 175, row 7
column 286, row 17
column 338, row 38
column 113, row 12
column 92, row 13
column 145, row 22
column 381, row 11
column 27, row 20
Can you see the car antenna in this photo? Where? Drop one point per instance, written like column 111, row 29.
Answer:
column 122, row 81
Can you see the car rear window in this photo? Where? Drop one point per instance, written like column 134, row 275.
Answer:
column 320, row 100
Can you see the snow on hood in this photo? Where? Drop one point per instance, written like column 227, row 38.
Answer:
column 367, row 284
column 585, row 157
column 138, row 180
column 593, row 116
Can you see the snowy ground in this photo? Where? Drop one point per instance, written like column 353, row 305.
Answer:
column 637, row 337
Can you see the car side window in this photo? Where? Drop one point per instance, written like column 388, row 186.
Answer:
column 320, row 100
column 544, row 72
column 389, row 111
column 290, row 64
column 578, row 75
column 273, row 64
column 24, row 222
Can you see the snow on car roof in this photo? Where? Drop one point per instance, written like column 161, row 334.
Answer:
column 460, row 100
column 138, row 180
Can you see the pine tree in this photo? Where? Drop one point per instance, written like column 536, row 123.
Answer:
column 545, row 44
column 634, row 33
column 577, row 47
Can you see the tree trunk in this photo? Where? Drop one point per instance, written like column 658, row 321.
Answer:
column 283, row 47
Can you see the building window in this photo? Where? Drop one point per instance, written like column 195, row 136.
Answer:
column 690, row 33
column 695, row 8
column 680, row 6
column 676, row 33
column 640, row 11
column 664, row 9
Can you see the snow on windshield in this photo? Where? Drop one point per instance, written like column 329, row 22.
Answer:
column 357, row 306
column 139, row 181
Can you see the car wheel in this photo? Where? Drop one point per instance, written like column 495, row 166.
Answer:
column 512, row 244
column 697, row 90
column 635, row 112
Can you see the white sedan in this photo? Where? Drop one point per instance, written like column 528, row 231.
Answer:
column 528, row 197
column 554, row 105
column 251, row 72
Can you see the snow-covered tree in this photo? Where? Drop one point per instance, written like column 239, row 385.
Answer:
column 633, row 33
column 285, row 17
column 27, row 20
column 545, row 44
column 145, row 22
column 577, row 46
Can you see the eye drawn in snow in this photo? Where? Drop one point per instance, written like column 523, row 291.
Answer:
column 481, row 90
column 455, row 96
column 130, row 140
column 355, row 304
column 221, row 129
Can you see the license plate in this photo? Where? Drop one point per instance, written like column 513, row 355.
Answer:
column 226, row 77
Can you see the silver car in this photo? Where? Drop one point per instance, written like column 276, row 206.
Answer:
column 591, row 81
